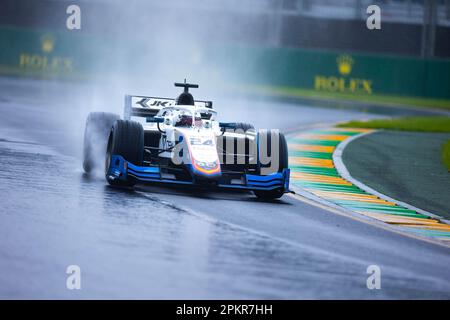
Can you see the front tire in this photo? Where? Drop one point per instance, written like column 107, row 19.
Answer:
column 283, row 163
column 127, row 140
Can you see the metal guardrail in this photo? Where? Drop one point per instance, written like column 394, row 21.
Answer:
column 403, row 11
column 427, row 14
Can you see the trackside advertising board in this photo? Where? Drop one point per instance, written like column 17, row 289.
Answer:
column 70, row 55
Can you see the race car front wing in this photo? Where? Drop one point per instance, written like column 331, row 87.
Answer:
column 123, row 170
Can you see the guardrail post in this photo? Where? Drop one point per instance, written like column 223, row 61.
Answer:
column 429, row 28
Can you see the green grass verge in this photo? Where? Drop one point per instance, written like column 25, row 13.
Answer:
column 422, row 124
column 373, row 99
column 446, row 154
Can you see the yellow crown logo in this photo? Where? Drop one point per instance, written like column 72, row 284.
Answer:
column 48, row 43
column 345, row 63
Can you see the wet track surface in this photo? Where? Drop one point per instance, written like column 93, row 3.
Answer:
column 160, row 242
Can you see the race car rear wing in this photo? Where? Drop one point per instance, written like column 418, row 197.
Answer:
column 142, row 106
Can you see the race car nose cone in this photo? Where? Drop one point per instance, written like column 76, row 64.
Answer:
column 207, row 169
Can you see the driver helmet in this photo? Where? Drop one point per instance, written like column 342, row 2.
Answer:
column 185, row 120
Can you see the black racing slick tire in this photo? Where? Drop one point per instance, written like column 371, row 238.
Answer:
column 98, row 126
column 283, row 161
column 127, row 140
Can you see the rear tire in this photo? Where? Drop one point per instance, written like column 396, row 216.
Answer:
column 127, row 140
column 283, row 163
column 98, row 126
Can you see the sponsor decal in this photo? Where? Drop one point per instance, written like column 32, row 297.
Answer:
column 48, row 43
column 343, row 82
column 154, row 103
column 158, row 103
column 45, row 60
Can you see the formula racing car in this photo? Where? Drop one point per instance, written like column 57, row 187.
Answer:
column 180, row 141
